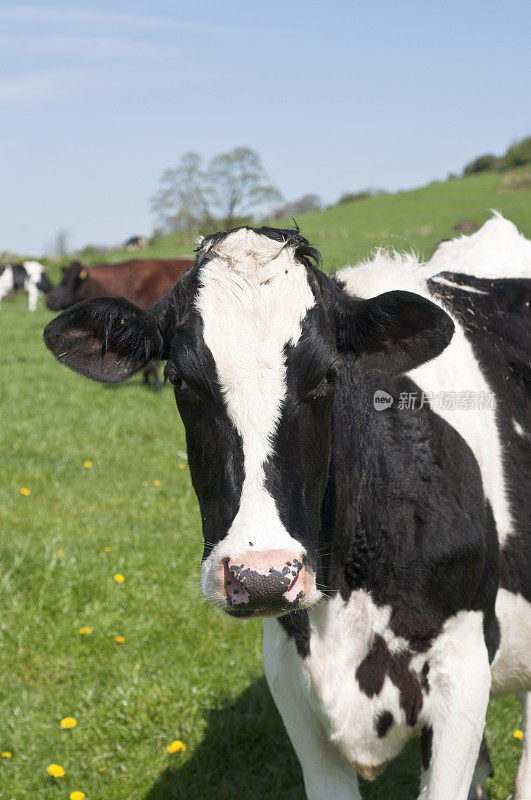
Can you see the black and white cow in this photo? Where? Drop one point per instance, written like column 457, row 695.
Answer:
column 386, row 550
column 30, row 276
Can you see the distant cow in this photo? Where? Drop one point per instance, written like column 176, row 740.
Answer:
column 30, row 277
column 142, row 281
column 387, row 547
column 135, row 242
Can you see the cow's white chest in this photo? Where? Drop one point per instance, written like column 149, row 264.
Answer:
column 342, row 636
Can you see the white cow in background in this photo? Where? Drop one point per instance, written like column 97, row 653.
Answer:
column 30, row 276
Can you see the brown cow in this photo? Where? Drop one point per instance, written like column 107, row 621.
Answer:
column 141, row 281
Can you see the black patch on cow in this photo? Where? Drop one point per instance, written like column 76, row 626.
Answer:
column 380, row 663
column 20, row 276
column 426, row 745
column 404, row 515
column 498, row 325
column 43, row 284
column 215, row 448
column 424, row 682
column 383, row 723
column 297, row 626
column 296, row 471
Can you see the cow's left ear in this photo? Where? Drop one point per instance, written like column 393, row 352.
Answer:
column 393, row 332
column 106, row 339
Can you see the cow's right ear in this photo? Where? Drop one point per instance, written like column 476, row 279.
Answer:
column 106, row 339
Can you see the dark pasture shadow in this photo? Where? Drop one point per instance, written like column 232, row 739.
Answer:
column 246, row 754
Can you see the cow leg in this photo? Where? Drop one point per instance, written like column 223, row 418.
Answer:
column 33, row 296
column 483, row 771
column 152, row 368
column 327, row 774
column 522, row 786
column 156, row 377
column 461, row 686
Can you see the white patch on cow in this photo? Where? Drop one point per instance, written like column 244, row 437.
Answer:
column 327, row 773
column 342, row 635
column 463, row 287
column 252, row 300
column 518, row 428
column 456, row 369
column 511, row 670
column 34, row 271
column 460, row 681
column 497, row 250
column 6, row 283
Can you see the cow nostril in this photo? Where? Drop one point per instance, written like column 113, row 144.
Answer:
column 293, row 582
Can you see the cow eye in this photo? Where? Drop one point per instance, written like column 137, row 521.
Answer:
column 323, row 389
column 171, row 375
column 331, row 375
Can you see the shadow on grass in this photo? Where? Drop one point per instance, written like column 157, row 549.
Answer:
column 245, row 753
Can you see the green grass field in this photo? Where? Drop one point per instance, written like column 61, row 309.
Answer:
column 184, row 672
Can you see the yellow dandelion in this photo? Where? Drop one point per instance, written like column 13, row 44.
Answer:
column 518, row 735
column 156, row 483
column 77, row 795
column 182, row 466
column 108, row 549
column 26, row 677
column 55, row 770
column 87, row 464
column 61, row 552
column 85, row 630
column 176, row 747
column 119, row 578
column 68, row 722
column 119, row 639
column 25, row 491
column 6, row 754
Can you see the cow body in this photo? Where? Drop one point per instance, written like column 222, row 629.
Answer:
column 30, row 277
column 393, row 545
column 142, row 281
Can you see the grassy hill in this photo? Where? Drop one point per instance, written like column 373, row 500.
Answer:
column 418, row 219
column 107, row 491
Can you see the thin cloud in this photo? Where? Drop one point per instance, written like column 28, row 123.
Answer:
column 29, row 87
column 55, row 16
column 93, row 47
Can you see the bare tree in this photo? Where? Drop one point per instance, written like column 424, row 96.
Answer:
column 180, row 201
column 232, row 185
column 60, row 243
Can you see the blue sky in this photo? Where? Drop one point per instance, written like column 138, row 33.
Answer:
column 96, row 99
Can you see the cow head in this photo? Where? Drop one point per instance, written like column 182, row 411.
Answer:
column 65, row 294
column 254, row 337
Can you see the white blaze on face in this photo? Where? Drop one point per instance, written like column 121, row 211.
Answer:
column 252, row 300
